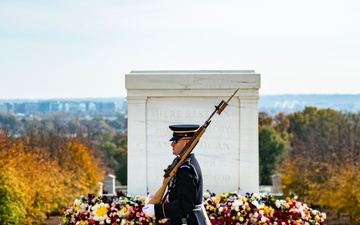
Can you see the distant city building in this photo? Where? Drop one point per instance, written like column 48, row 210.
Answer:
column 3, row 108
column 10, row 107
column 31, row 107
column 72, row 106
column 105, row 106
column 45, row 107
column 272, row 104
column 55, row 107
column 19, row 108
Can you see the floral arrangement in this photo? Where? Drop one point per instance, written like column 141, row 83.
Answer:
column 233, row 208
column 229, row 208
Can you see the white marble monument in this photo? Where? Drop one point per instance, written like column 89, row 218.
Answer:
column 228, row 150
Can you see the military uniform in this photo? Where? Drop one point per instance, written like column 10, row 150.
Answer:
column 185, row 188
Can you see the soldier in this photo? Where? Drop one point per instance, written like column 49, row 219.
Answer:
column 185, row 190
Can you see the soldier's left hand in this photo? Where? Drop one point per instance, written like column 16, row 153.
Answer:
column 149, row 209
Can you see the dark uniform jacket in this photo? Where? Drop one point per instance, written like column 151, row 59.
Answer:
column 185, row 197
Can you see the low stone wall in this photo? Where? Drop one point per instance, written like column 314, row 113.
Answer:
column 337, row 219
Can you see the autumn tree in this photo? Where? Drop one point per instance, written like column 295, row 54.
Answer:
column 29, row 181
column 12, row 195
column 323, row 165
column 41, row 174
column 80, row 169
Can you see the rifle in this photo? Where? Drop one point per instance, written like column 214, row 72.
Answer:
column 171, row 170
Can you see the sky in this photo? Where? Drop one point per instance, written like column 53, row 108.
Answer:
column 84, row 48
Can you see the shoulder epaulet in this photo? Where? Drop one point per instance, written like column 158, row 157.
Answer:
column 185, row 166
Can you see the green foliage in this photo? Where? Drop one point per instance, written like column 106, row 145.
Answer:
column 10, row 124
column 121, row 157
column 108, row 148
column 272, row 151
column 12, row 199
column 115, row 149
column 273, row 145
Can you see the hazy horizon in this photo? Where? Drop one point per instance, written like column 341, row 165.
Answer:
column 83, row 49
column 119, row 97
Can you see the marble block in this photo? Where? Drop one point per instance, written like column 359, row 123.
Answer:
column 228, row 150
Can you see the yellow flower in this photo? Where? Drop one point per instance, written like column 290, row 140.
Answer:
column 243, row 199
column 101, row 211
column 267, row 210
column 272, row 213
column 217, row 200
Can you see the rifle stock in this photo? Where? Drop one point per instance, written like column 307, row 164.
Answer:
column 171, row 170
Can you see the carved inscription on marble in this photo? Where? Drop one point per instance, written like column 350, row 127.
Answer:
column 217, row 150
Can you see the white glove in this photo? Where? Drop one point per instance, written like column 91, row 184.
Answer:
column 149, row 209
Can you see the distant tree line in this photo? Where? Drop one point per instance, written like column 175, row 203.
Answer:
column 107, row 132
column 315, row 152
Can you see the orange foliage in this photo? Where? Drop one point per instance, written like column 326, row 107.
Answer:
column 38, row 184
column 81, row 170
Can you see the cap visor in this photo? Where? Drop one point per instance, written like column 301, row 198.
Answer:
column 174, row 138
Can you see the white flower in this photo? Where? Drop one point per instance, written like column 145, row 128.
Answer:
column 257, row 204
column 83, row 207
column 277, row 204
column 236, row 205
column 120, row 213
column 206, row 195
column 77, row 202
column 100, row 212
column 263, row 219
column 323, row 215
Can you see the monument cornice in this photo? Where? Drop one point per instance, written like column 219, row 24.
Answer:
column 192, row 80
column 143, row 93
